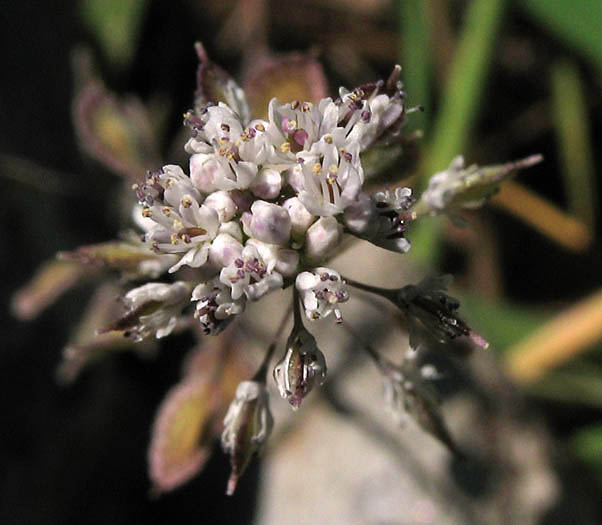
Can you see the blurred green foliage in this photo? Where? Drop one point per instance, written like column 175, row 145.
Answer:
column 116, row 26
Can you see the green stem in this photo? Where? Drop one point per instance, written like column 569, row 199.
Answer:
column 387, row 293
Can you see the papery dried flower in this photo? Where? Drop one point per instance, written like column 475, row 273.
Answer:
column 247, row 425
column 302, row 366
column 152, row 309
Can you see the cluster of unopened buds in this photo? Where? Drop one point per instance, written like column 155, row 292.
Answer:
column 261, row 207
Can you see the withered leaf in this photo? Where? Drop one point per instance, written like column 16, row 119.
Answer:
column 117, row 133
column 289, row 77
column 51, row 280
column 182, row 433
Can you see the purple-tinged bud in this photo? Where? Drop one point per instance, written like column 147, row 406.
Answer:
column 301, row 367
column 203, row 172
column 224, row 250
column 322, row 238
column 223, row 204
column 267, row 184
column 268, row 223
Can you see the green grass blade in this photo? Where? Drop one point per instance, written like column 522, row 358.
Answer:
column 572, row 129
column 416, row 59
column 577, row 22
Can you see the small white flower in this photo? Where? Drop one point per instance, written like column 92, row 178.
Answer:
column 187, row 230
column 382, row 218
column 284, row 260
column 296, row 126
column 321, row 290
column 333, row 176
column 215, row 308
column 249, row 275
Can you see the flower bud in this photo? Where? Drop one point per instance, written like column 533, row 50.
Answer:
column 301, row 219
column 267, row 184
column 223, row 250
column 223, row 204
column 203, row 171
column 301, row 367
column 268, row 223
column 247, row 426
column 322, row 237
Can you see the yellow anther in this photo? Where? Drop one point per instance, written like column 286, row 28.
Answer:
column 168, row 183
column 260, row 127
column 166, row 211
column 177, row 224
column 186, row 202
column 147, row 212
column 285, row 147
column 328, row 139
column 316, row 168
column 174, row 239
column 333, row 169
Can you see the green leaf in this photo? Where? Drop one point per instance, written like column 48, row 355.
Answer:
column 587, row 444
column 116, row 26
column 577, row 22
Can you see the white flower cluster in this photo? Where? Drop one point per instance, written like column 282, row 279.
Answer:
column 268, row 199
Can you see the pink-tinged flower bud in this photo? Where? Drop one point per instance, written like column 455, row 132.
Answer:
column 204, row 169
column 301, row 367
column 267, row 184
column 301, row 219
column 223, row 204
column 224, row 249
column 247, row 426
column 322, row 237
column 269, row 223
